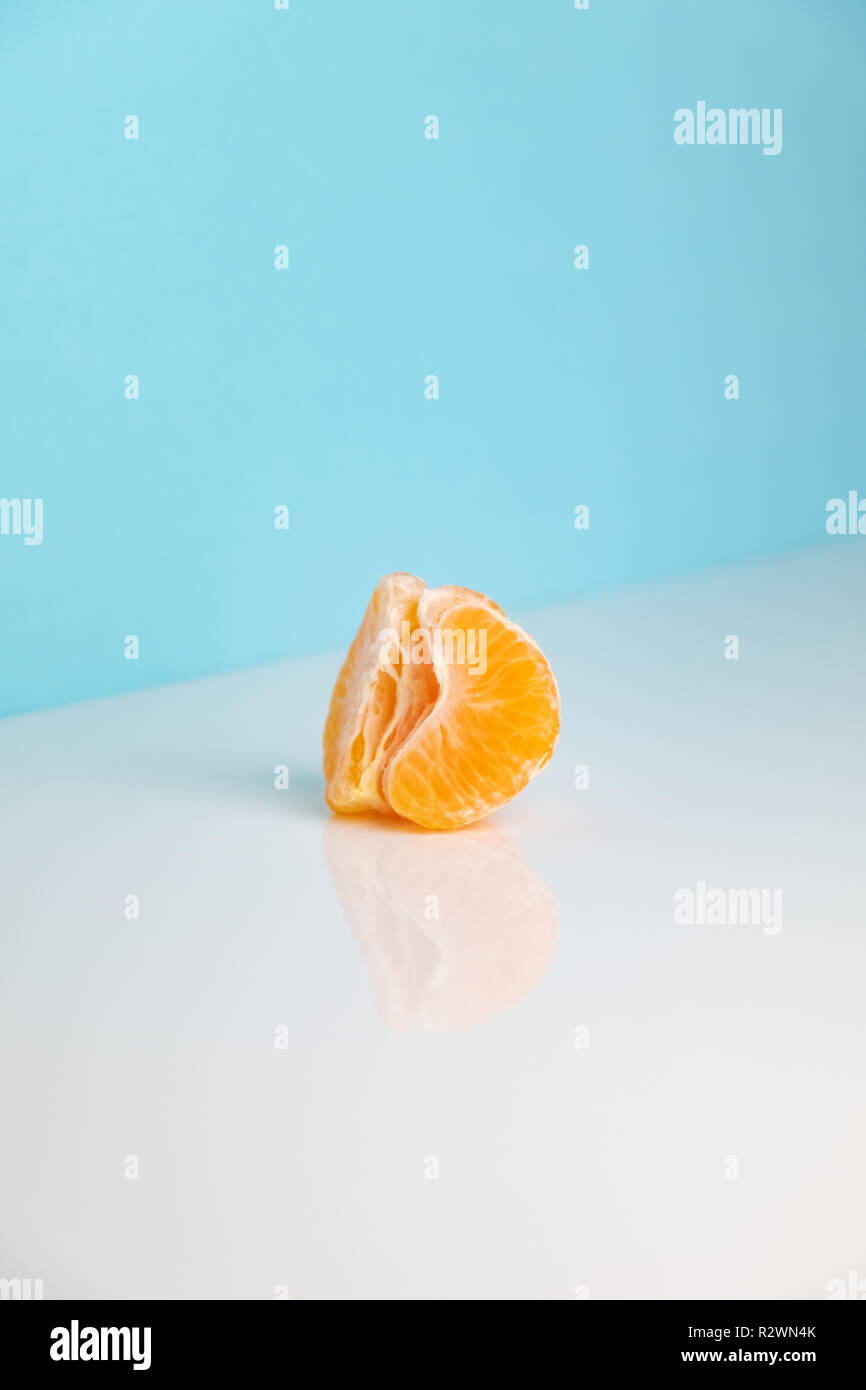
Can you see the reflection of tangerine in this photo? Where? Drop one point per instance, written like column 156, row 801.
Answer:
column 490, row 943
column 440, row 741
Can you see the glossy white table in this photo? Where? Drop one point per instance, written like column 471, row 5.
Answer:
column 552, row 1090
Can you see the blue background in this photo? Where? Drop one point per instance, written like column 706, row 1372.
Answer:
column 408, row 257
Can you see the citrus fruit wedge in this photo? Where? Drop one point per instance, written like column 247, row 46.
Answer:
column 443, row 709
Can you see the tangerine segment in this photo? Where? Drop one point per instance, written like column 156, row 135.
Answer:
column 377, row 699
column 489, row 732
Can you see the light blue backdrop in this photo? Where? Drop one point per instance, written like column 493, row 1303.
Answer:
column 408, row 257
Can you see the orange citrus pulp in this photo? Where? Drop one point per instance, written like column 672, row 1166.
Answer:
column 443, row 709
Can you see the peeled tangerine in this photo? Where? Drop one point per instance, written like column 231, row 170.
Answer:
column 443, row 709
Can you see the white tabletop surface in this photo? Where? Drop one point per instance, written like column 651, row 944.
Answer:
column 552, row 1091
